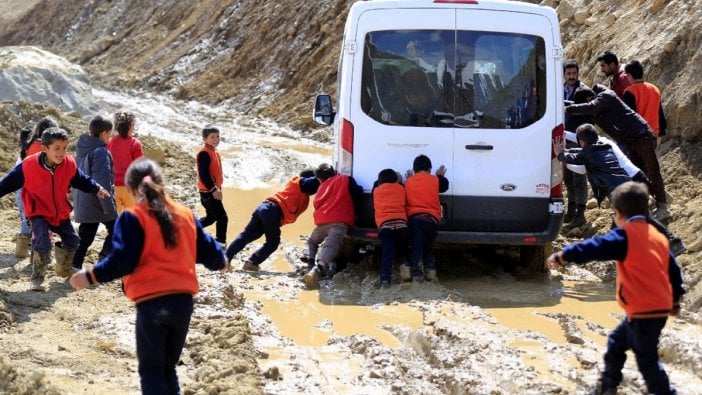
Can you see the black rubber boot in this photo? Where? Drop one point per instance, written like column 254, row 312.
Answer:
column 570, row 213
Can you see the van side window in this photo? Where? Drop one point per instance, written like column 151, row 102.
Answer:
column 443, row 78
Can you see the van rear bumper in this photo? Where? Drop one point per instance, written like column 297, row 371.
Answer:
column 549, row 234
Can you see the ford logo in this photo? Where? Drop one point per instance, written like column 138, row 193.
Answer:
column 508, row 187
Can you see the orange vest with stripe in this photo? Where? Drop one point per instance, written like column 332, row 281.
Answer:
column 648, row 102
column 389, row 202
column 333, row 202
column 643, row 283
column 423, row 195
column 215, row 169
column 291, row 200
column 164, row 270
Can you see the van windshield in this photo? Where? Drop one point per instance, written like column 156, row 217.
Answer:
column 446, row 78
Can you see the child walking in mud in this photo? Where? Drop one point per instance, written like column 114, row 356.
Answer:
column 334, row 214
column 209, row 183
column 389, row 202
column 424, row 213
column 45, row 179
column 125, row 149
column 281, row 208
column 156, row 244
column 649, row 287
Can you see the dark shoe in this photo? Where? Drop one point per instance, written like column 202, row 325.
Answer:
column 385, row 284
column 311, row 279
column 250, row 266
column 37, row 286
column 578, row 221
column 418, row 279
column 405, row 274
column 570, row 213
column 661, row 212
column 677, row 246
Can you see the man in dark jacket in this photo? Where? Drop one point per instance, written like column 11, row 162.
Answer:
column 95, row 160
column 632, row 133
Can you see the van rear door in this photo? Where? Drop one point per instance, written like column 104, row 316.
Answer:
column 502, row 150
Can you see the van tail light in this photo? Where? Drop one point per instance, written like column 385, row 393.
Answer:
column 346, row 137
column 556, row 166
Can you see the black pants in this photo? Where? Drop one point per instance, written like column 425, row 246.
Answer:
column 161, row 327
column 265, row 220
column 214, row 212
column 642, row 153
column 87, row 232
column 395, row 243
column 576, row 187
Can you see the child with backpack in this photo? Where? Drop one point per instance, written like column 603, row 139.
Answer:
column 45, row 179
column 156, row 245
column 649, row 287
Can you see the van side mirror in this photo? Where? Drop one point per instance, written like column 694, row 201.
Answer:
column 323, row 113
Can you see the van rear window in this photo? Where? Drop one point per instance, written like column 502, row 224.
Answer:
column 446, row 78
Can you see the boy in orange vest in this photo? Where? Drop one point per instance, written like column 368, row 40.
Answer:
column 209, row 183
column 649, row 286
column 334, row 214
column 45, row 179
column 277, row 210
column 389, row 202
column 424, row 213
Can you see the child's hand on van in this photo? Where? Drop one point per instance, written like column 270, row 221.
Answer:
column 558, row 147
column 441, row 170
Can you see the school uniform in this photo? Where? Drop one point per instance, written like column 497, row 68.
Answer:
column 209, row 181
column 389, row 203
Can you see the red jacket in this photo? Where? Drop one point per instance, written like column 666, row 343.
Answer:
column 34, row 147
column 215, row 169
column 648, row 103
column 389, row 201
column 620, row 81
column 291, row 200
column 164, row 270
column 643, row 284
column 333, row 202
column 124, row 150
column 423, row 195
column 45, row 194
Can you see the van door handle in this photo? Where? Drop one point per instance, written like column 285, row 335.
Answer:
column 480, row 147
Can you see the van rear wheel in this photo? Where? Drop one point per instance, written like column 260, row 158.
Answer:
column 533, row 257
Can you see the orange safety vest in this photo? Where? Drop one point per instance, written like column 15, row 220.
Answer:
column 648, row 103
column 291, row 200
column 643, row 283
column 162, row 270
column 423, row 195
column 215, row 169
column 389, row 201
column 333, row 202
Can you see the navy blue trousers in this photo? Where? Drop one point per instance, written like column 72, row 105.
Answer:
column 265, row 220
column 214, row 212
column 161, row 327
column 395, row 243
column 640, row 336
column 422, row 232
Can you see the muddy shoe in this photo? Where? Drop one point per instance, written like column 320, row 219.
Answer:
column 250, row 266
column 661, row 213
column 418, row 279
column 431, row 276
column 677, row 246
column 311, row 279
column 64, row 261
column 37, row 286
column 22, row 245
column 405, row 274
column 384, row 284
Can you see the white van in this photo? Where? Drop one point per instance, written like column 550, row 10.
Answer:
column 476, row 85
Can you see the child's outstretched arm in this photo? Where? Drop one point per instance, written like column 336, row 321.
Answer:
column 12, row 181
column 209, row 252
column 611, row 246
column 87, row 184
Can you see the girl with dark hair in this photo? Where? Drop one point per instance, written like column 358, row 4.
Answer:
column 156, row 244
column 34, row 141
column 125, row 149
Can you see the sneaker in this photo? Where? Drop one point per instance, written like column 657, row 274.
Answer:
column 36, row 286
column 661, row 213
column 405, row 274
column 677, row 246
column 431, row 276
column 418, row 279
column 250, row 266
column 385, row 284
column 311, row 279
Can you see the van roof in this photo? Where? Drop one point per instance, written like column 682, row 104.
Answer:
column 504, row 5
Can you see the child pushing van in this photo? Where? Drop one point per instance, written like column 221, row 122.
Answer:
column 389, row 202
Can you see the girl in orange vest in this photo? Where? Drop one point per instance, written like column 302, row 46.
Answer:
column 281, row 208
column 156, row 243
column 389, row 202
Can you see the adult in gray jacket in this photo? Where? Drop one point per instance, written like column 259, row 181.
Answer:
column 632, row 133
column 94, row 159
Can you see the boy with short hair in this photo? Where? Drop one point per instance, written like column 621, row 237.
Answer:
column 424, row 213
column 45, row 179
column 649, row 286
column 209, row 183
column 334, row 214
column 281, row 208
column 389, row 202
column 95, row 160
